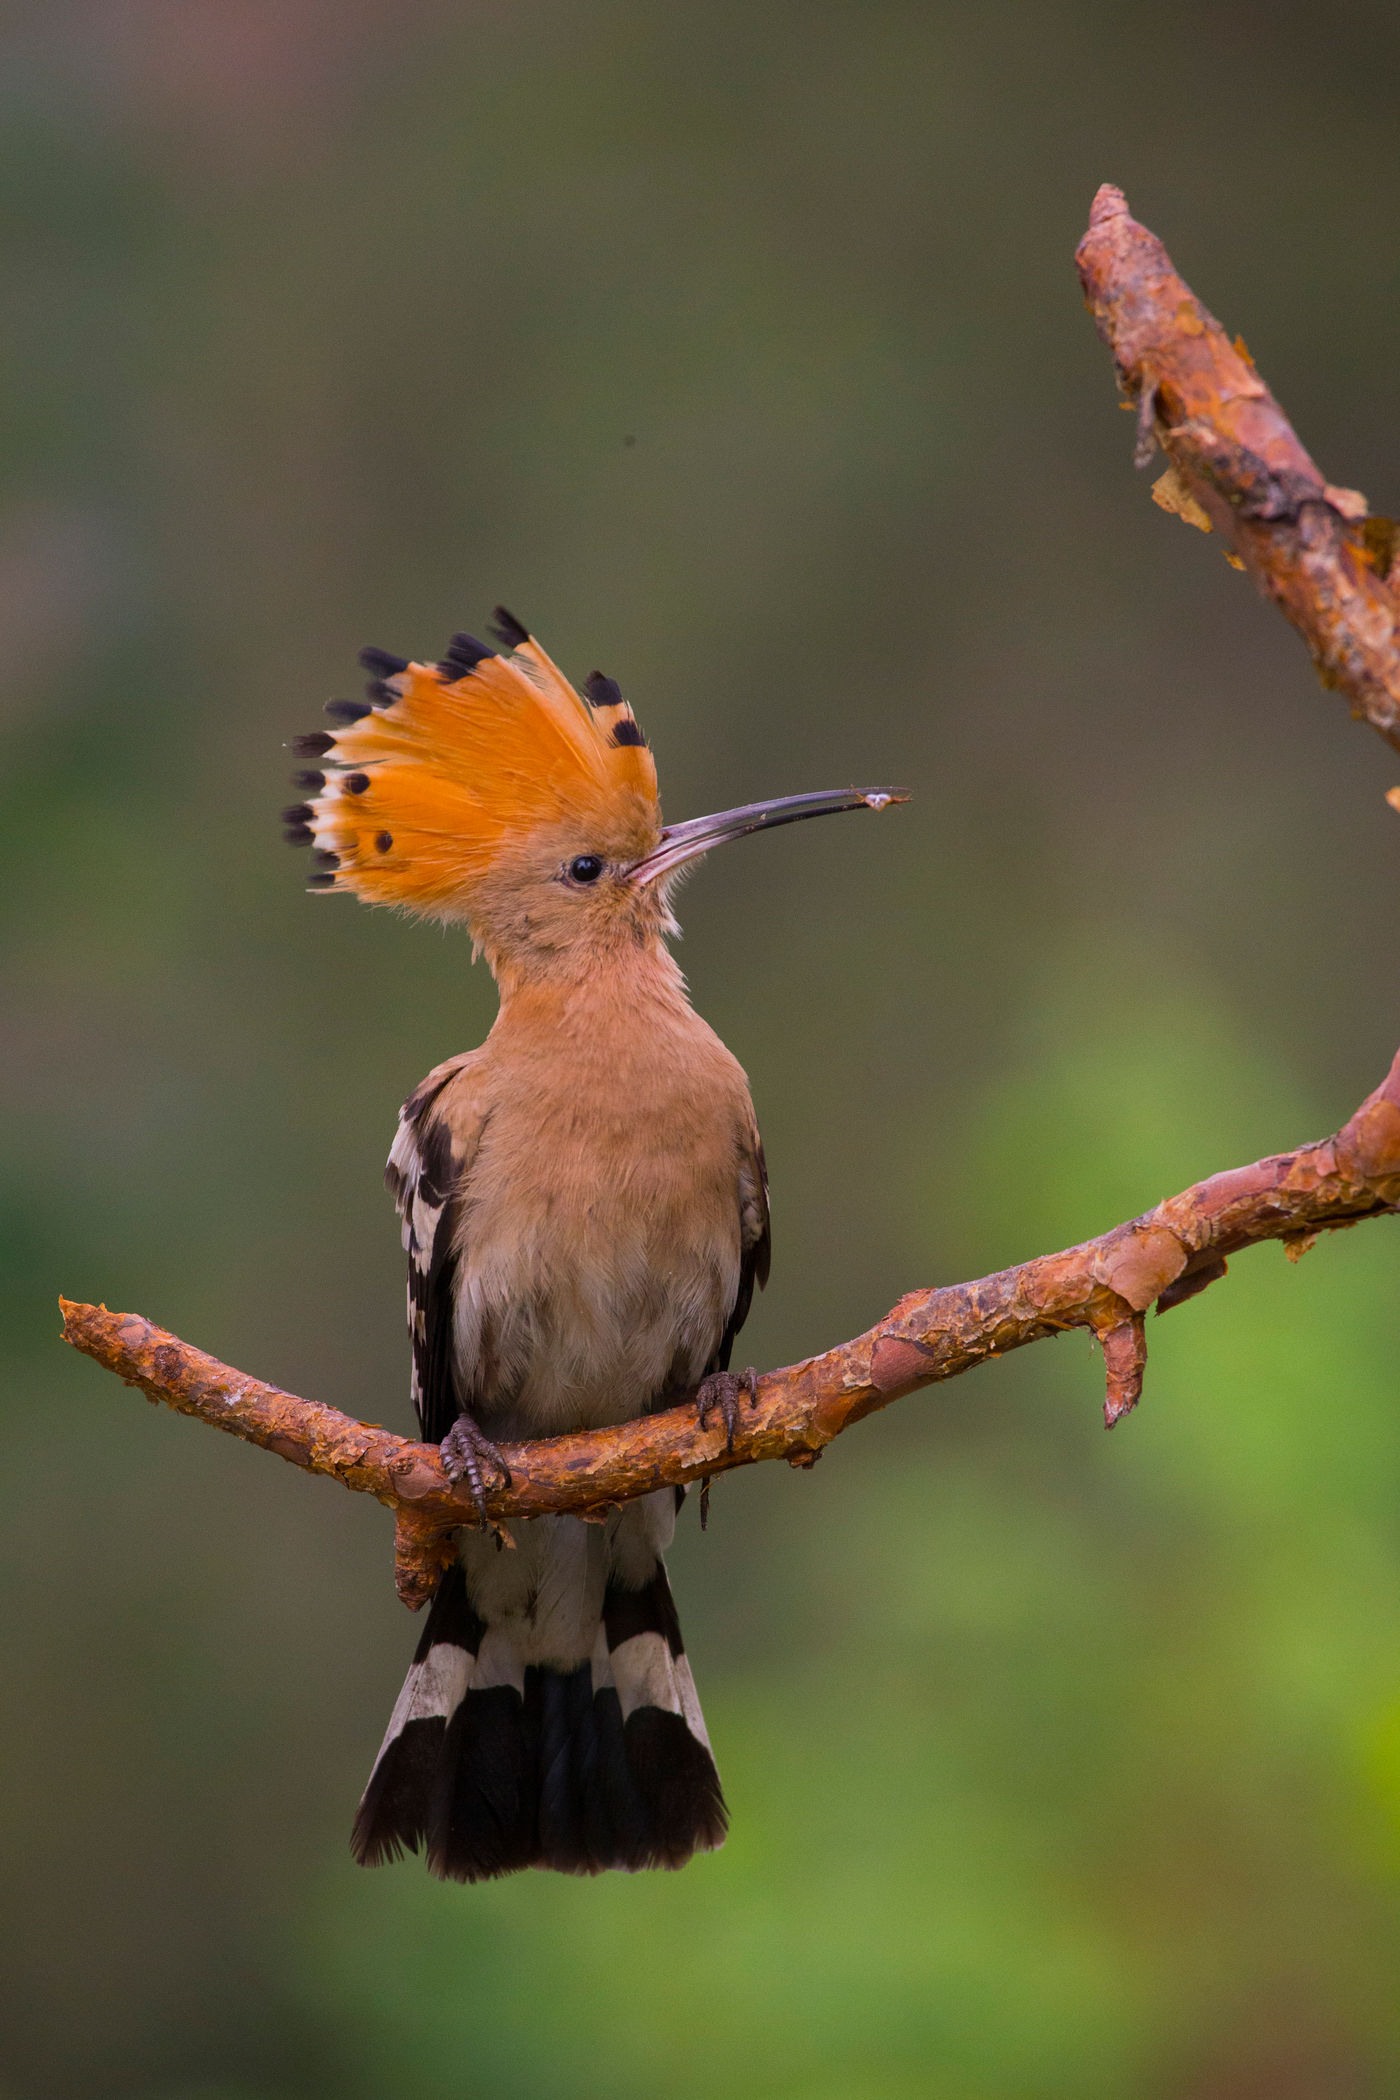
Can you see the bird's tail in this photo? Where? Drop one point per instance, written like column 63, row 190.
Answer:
column 493, row 1763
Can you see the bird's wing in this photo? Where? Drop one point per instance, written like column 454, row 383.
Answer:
column 440, row 1127
column 755, row 1240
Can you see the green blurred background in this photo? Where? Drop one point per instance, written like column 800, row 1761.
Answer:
column 740, row 350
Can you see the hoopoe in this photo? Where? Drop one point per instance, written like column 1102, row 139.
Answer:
column 585, row 1212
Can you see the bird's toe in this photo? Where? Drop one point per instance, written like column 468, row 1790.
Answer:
column 722, row 1392
column 470, row 1456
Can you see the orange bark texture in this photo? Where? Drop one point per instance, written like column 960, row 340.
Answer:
column 1237, row 468
column 1106, row 1285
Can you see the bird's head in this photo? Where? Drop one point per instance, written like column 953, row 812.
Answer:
column 484, row 789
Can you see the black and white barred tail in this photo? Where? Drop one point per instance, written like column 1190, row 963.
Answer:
column 492, row 1764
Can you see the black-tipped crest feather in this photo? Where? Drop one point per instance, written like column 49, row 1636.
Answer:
column 382, row 663
column 463, row 653
column 602, row 691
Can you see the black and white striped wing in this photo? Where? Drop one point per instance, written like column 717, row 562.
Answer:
column 429, row 1163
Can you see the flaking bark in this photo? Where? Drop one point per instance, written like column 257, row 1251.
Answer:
column 1237, row 467
column 1105, row 1284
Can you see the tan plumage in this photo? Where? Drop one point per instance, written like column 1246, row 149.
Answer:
column 585, row 1214
column 610, row 1179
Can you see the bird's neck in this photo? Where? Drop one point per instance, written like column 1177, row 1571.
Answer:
column 593, row 994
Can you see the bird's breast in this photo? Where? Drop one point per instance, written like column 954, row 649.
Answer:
column 599, row 1248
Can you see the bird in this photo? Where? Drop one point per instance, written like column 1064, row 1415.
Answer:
column 584, row 1207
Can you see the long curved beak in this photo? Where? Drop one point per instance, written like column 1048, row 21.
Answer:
column 682, row 842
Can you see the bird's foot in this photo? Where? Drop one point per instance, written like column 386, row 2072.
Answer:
column 722, row 1390
column 469, row 1455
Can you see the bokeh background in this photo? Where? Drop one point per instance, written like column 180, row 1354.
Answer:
column 740, row 350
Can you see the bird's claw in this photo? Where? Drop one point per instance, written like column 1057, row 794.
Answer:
column 722, row 1390
column 469, row 1455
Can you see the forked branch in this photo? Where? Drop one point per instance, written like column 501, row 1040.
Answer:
column 1237, row 467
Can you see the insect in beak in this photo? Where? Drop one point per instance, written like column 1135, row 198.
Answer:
column 680, row 843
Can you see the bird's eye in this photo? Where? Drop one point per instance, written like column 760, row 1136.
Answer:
column 585, row 867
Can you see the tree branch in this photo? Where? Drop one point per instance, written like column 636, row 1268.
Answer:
column 1236, row 466
column 1106, row 1285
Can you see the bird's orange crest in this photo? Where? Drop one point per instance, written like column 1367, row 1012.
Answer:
column 423, row 785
